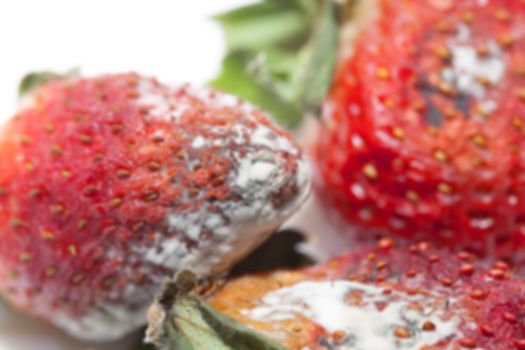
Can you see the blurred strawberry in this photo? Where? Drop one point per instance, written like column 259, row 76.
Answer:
column 384, row 298
column 110, row 184
column 424, row 125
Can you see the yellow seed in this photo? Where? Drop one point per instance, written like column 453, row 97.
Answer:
column 47, row 235
column 56, row 150
column 115, row 202
column 479, row 140
column 57, row 208
column 381, row 264
column 443, row 26
column 428, row 326
column 445, row 88
column 153, row 166
column 506, row 40
column 383, row 73
column 443, row 53
column 51, row 271
column 86, row 139
column 469, row 17
column 449, row 113
column 398, row 133
column 72, row 249
column 89, row 190
column 132, row 94
column 401, row 332
column 482, row 111
column 17, row 222
column 80, row 118
column 82, row 224
column 66, row 174
column 418, row 106
column 444, row 188
column 412, row 196
column 477, row 162
column 370, row 171
column 123, row 174
column 78, row 278
column 98, row 157
column 49, row 128
column 440, row 155
column 482, row 50
column 133, row 81
column 483, row 80
column 389, row 103
column 502, row 15
column 34, row 193
column 30, row 167
column 118, row 128
column 517, row 123
column 25, row 257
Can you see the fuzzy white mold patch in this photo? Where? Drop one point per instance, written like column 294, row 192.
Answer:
column 469, row 66
column 264, row 136
column 258, row 174
column 240, row 225
column 368, row 326
column 171, row 107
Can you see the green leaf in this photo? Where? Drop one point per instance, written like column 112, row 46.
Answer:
column 36, row 79
column 180, row 320
column 198, row 324
column 281, row 55
column 269, row 22
column 236, row 79
column 313, row 75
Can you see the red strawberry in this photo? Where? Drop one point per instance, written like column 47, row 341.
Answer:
column 107, row 185
column 425, row 124
column 384, row 298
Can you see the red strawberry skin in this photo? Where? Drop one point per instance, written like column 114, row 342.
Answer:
column 424, row 126
column 110, row 184
column 461, row 304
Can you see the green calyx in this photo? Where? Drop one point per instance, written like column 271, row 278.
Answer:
column 181, row 320
column 281, row 55
column 35, row 79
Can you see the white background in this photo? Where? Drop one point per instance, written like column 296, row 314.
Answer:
column 175, row 40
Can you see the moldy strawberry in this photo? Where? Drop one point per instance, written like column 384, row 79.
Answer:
column 384, row 297
column 424, row 125
column 110, row 184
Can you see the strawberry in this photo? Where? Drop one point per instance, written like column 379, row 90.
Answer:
column 384, row 298
column 424, row 125
column 109, row 184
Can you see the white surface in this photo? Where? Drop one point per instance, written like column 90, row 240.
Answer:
column 174, row 40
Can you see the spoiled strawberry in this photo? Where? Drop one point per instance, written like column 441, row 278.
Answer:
column 110, row 184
